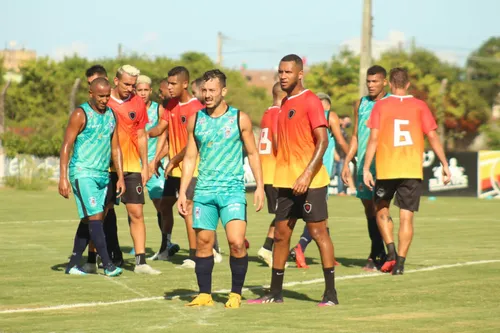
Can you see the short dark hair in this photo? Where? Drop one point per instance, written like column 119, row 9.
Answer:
column 295, row 58
column 99, row 81
column 376, row 69
column 215, row 74
column 96, row 69
column 179, row 71
column 165, row 79
column 399, row 77
column 198, row 82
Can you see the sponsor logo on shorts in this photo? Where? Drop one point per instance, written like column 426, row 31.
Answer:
column 291, row 113
column 183, row 119
column 92, row 202
column 132, row 115
column 308, row 207
column 360, row 187
column 138, row 189
column 197, row 212
column 380, row 192
column 234, row 207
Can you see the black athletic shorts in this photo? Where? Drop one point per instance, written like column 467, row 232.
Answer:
column 271, row 197
column 407, row 191
column 173, row 185
column 310, row 206
column 134, row 192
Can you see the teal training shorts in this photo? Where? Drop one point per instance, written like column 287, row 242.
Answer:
column 362, row 191
column 155, row 185
column 208, row 208
column 90, row 195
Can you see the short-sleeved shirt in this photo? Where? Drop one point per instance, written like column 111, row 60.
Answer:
column 402, row 122
column 132, row 116
column 266, row 151
column 299, row 116
column 177, row 115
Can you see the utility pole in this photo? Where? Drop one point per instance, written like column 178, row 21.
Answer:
column 120, row 50
column 2, row 111
column 72, row 95
column 220, row 38
column 366, row 46
column 441, row 112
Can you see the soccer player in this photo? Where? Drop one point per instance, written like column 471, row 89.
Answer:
column 174, row 118
column 163, row 92
column 196, row 86
column 94, row 72
column 376, row 82
column 302, row 179
column 92, row 137
column 398, row 124
column 219, row 133
column 267, row 152
column 155, row 184
column 132, row 116
column 334, row 133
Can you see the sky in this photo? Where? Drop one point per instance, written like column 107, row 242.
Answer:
column 257, row 32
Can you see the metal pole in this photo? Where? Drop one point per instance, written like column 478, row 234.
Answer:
column 72, row 95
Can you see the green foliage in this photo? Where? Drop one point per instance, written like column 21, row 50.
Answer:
column 492, row 132
column 484, row 67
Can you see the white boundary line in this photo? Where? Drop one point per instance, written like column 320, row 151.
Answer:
column 289, row 284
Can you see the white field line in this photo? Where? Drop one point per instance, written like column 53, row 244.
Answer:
column 288, row 284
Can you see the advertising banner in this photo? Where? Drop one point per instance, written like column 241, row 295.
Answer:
column 489, row 174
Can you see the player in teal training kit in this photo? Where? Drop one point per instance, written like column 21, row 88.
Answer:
column 92, row 136
column 218, row 134
column 376, row 82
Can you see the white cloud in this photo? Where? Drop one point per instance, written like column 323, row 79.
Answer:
column 78, row 48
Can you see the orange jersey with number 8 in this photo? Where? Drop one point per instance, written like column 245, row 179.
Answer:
column 266, row 151
column 402, row 122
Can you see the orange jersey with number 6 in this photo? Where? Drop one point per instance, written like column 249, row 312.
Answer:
column 266, row 151
column 402, row 122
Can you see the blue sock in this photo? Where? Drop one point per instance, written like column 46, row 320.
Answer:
column 97, row 235
column 81, row 241
column 203, row 270
column 239, row 267
column 305, row 239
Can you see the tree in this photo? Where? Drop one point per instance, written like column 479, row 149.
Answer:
column 484, row 69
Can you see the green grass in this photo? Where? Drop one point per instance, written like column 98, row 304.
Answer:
column 36, row 235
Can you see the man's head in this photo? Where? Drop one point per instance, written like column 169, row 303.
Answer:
column 125, row 80
column 291, row 72
column 178, row 81
column 376, row 80
column 399, row 80
column 325, row 100
column 99, row 92
column 163, row 90
column 196, row 87
column 278, row 94
column 94, row 72
column 143, row 88
column 345, row 121
column 214, row 88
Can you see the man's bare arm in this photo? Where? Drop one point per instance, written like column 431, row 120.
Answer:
column 334, row 125
column 371, row 149
column 353, row 146
column 158, row 129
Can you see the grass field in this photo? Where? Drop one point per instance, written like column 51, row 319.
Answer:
column 451, row 282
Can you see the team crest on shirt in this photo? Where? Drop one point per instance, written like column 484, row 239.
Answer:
column 231, row 119
column 197, row 212
column 291, row 113
column 132, row 115
column 183, row 119
column 138, row 189
column 307, row 207
column 227, row 132
column 92, row 202
column 201, row 121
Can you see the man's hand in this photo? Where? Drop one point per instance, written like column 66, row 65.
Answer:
column 64, row 188
column 258, row 198
column 145, row 175
column 368, row 179
column 168, row 169
column 302, row 183
column 182, row 204
column 346, row 173
column 120, row 187
column 446, row 175
column 153, row 168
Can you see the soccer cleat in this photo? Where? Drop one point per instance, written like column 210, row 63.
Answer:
column 160, row 256
column 201, row 300
column 90, row 268
column 217, row 256
column 388, row 266
column 146, row 269
column 188, row 263
column 234, row 301
column 247, row 243
column 370, row 266
column 266, row 256
column 113, row 271
column 173, row 249
column 267, row 298
column 291, row 255
column 132, row 252
column 398, row 270
column 329, row 299
column 300, row 259
column 75, row 270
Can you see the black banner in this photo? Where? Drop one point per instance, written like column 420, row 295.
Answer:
column 463, row 168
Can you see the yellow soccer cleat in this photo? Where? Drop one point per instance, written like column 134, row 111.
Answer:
column 202, row 300
column 234, row 301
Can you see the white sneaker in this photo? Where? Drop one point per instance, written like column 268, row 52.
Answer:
column 146, row 269
column 188, row 263
column 266, row 256
column 90, row 268
column 217, row 256
column 160, row 256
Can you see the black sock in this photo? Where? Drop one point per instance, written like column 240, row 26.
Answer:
column 192, row 254
column 203, row 270
column 92, row 256
column 239, row 267
column 268, row 244
column 400, row 261
column 391, row 252
column 140, row 259
column 377, row 248
column 80, row 243
column 305, row 239
column 97, row 236
column 111, row 233
column 329, row 274
column 277, row 280
column 158, row 215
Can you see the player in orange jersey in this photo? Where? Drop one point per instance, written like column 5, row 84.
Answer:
column 267, row 152
column 398, row 124
column 302, row 179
